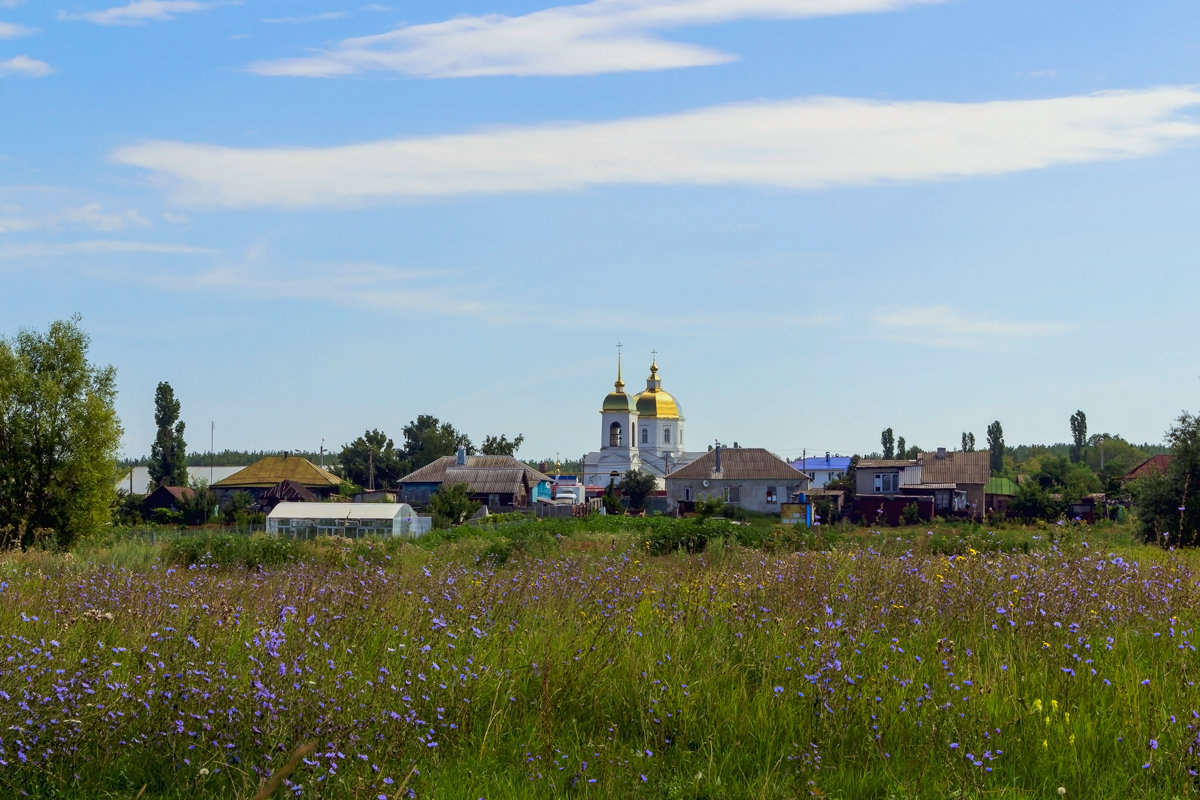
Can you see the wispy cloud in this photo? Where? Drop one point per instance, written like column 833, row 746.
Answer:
column 24, row 65
column 946, row 327
column 585, row 39
column 30, row 250
column 798, row 144
column 369, row 287
column 327, row 15
column 11, row 30
column 92, row 216
column 142, row 11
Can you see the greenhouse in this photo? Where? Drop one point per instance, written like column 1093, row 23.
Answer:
column 352, row 520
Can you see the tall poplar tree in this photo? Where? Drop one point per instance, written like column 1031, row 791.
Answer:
column 168, row 454
column 995, row 440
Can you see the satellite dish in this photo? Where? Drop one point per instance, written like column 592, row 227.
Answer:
column 705, row 483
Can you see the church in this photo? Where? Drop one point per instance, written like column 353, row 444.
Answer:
column 643, row 432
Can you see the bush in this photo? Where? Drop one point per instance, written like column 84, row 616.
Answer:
column 225, row 550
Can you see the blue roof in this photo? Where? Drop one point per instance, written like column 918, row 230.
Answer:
column 838, row 463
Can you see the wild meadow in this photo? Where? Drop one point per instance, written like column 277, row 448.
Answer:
column 900, row 663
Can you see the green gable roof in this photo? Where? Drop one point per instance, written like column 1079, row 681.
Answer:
column 1000, row 486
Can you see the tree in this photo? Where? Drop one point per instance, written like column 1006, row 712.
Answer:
column 168, row 454
column 452, row 505
column 426, row 439
column 372, row 461
column 198, row 509
column 1111, row 457
column 1078, row 436
column 968, row 442
column 59, row 436
column 610, row 501
column 1167, row 505
column 888, row 440
column 637, row 486
column 995, row 440
column 500, row 445
column 901, row 450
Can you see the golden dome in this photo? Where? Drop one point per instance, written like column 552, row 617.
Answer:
column 617, row 400
column 654, row 402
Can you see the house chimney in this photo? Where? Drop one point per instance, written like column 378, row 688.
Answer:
column 941, row 452
column 717, row 468
column 826, row 456
column 461, row 457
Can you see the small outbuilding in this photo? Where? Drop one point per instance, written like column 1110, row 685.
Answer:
column 352, row 520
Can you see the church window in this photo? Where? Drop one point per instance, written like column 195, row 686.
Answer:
column 614, row 435
column 666, row 435
column 645, row 436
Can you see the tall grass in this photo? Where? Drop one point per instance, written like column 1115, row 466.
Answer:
column 881, row 666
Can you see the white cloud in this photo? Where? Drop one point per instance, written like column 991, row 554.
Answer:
column 11, row 3
column 586, row 39
column 10, row 30
column 91, row 215
column 797, row 144
column 946, row 327
column 140, row 11
column 94, row 247
column 367, row 287
column 327, row 15
column 24, row 65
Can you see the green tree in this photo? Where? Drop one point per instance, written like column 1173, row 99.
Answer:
column 1078, row 436
column 995, row 440
column 59, row 436
column 968, row 442
column 847, row 482
column 452, row 505
column 198, row 509
column 637, row 486
column 610, row 500
column 888, row 440
column 168, row 454
column 1167, row 505
column 500, row 445
column 372, row 461
column 1111, row 457
column 426, row 439
column 1034, row 502
column 901, row 449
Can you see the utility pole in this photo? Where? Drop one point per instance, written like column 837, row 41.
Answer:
column 212, row 438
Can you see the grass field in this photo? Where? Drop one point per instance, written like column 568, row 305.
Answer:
column 572, row 662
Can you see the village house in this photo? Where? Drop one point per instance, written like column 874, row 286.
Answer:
column 749, row 477
column 267, row 473
column 502, row 483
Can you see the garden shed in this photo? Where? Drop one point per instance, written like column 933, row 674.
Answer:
column 308, row 520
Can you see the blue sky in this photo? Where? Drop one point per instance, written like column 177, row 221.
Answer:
column 827, row 217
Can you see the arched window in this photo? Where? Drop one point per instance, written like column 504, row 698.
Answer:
column 645, row 436
column 666, row 435
column 614, row 435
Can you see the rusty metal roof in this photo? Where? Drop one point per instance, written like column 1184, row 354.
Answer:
column 956, row 467
column 740, row 463
column 484, row 474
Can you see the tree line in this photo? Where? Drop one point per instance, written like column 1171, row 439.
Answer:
column 60, row 435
